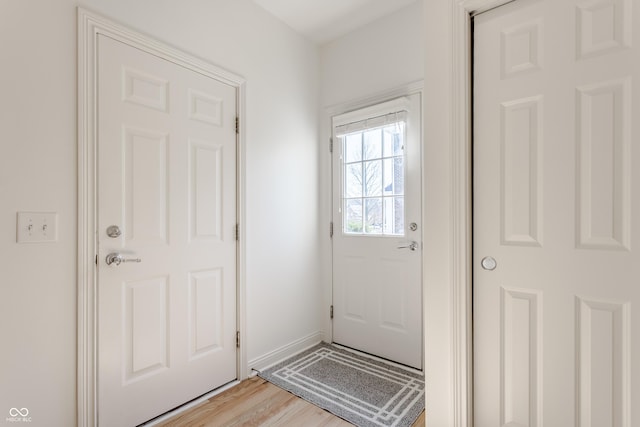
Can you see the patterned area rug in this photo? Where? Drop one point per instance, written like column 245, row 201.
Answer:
column 359, row 389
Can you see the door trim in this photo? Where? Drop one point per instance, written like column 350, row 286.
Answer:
column 90, row 25
column 461, row 204
column 448, row 292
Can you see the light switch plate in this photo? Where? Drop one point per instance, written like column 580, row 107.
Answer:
column 37, row 227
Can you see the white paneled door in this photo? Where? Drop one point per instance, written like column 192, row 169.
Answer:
column 377, row 244
column 556, row 214
column 166, row 234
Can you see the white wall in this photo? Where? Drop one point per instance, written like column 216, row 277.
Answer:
column 382, row 56
column 38, row 173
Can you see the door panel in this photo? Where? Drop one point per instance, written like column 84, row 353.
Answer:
column 554, row 198
column 145, row 178
column 146, row 335
column 167, row 179
column 377, row 276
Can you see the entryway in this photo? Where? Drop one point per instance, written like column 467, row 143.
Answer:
column 377, row 233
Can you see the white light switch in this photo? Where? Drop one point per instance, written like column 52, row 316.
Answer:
column 34, row 227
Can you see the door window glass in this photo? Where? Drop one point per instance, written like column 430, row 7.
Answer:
column 373, row 171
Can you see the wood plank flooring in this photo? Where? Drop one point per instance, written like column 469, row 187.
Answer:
column 255, row 402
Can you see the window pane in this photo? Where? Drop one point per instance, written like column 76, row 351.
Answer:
column 398, row 215
column 387, row 141
column 353, row 147
column 387, row 206
column 373, row 144
column 393, row 176
column 398, row 175
column 373, row 219
column 353, row 180
column 393, row 215
column 353, row 216
column 372, row 178
column 387, row 177
column 394, row 140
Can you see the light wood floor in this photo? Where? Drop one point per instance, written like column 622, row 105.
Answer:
column 255, row 402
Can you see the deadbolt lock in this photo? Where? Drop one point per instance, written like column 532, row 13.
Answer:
column 113, row 231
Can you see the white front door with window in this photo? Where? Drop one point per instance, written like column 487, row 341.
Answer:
column 166, row 245
column 556, row 214
column 377, row 245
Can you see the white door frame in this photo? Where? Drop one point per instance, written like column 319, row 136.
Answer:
column 413, row 88
column 327, row 132
column 90, row 25
column 448, row 218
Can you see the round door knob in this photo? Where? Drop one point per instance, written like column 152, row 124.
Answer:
column 489, row 263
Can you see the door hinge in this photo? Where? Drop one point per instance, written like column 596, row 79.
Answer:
column 331, row 312
column 96, row 259
column 237, row 125
column 331, row 229
column 331, row 145
column 237, row 232
column 237, row 339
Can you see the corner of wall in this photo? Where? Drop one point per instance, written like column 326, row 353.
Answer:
column 284, row 352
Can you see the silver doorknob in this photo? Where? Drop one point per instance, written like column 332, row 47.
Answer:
column 413, row 246
column 117, row 259
column 489, row 263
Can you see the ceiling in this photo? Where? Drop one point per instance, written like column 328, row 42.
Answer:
column 324, row 20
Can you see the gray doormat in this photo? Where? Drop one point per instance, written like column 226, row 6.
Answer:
column 359, row 389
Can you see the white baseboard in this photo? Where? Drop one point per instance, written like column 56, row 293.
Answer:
column 278, row 355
